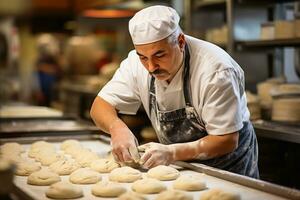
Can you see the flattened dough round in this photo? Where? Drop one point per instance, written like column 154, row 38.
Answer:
column 148, row 186
column 64, row 167
column 85, row 159
column 26, row 168
column 43, row 177
column 104, row 165
column 47, row 158
column 131, row 196
column 163, row 173
column 173, row 195
column 108, row 189
column 64, row 190
column 125, row 175
column 69, row 143
column 189, row 182
column 85, row 176
column 217, row 193
column 11, row 147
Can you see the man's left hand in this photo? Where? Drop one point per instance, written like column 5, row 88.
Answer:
column 156, row 154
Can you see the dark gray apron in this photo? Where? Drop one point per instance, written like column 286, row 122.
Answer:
column 184, row 125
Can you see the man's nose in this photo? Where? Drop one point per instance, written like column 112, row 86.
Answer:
column 152, row 66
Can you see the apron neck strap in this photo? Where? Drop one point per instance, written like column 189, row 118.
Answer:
column 186, row 82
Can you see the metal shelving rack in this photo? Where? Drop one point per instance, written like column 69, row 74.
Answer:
column 275, row 135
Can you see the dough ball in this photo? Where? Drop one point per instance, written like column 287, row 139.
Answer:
column 86, row 159
column 64, row 167
column 47, row 158
column 12, row 157
column 214, row 194
column 173, row 195
column 80, row 152
column 26, row 168
column 69, row 143
column 43, row 177
column 125, row 175
column 85, row 176
column 131, row 196
column 64, row 190
column 108, row 189
column 39, row 147
column 189, row 183
column 104, row 165
column 42, row 144
column 73, row 150
column 163, row 173
column 11, row 147
column 148, row 186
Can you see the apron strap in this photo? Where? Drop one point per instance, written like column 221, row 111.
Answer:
column 186, row 77
column 186, row 83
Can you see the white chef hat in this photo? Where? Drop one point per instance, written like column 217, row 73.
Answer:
column 153, row 24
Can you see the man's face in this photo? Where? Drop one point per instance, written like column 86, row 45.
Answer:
column 162, row 59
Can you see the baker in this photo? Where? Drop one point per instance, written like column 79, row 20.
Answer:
column 192, row 91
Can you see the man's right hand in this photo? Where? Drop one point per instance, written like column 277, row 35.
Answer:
column 123, row 142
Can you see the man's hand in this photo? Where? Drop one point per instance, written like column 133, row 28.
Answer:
column 156, row 154
column 123, row 142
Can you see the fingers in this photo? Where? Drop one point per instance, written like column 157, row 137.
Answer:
column 117, row 156
column 145, row 158
column 134, row 153
column 126, row 155
column 146, row 146
column 151, row 162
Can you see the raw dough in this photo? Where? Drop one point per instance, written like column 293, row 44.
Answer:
column 79, row 152
column 73, row 150
column 173, row 195
column 64, row 167
column 148, row 186
column 163, row 173
column 125, row 175
column 108, row 189
column 64, row 190
column 42, row 144
column 213, row 194
column 85, row 159
column 189, row 182
column 104, row 165
column 69, row 143
column 43, row 177
column 11, row 157
column 25, row 168
column 11, row 147
column 131, row 196
column 84, row 176
column 47, row 158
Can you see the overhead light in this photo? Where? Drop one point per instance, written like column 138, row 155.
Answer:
column 108, row 13
column 118, row 10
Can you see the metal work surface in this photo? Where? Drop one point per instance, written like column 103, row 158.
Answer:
column 44, row 125
column 100, row 144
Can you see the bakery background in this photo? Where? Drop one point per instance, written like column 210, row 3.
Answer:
column 56, row 55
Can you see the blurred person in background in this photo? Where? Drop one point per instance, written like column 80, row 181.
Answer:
column 48, row 70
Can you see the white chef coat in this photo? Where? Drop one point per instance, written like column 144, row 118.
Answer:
column 217, row 88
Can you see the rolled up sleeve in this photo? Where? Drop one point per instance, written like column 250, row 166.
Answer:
column 121, row 91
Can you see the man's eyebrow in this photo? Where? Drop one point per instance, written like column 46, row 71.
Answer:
column 158, row 52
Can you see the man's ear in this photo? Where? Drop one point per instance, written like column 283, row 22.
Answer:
column 181, row 41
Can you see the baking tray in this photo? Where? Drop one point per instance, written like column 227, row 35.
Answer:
column 248, row 188
column 28, row 111
column 14, row 128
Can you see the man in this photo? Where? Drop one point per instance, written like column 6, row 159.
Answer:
column 192, row 91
